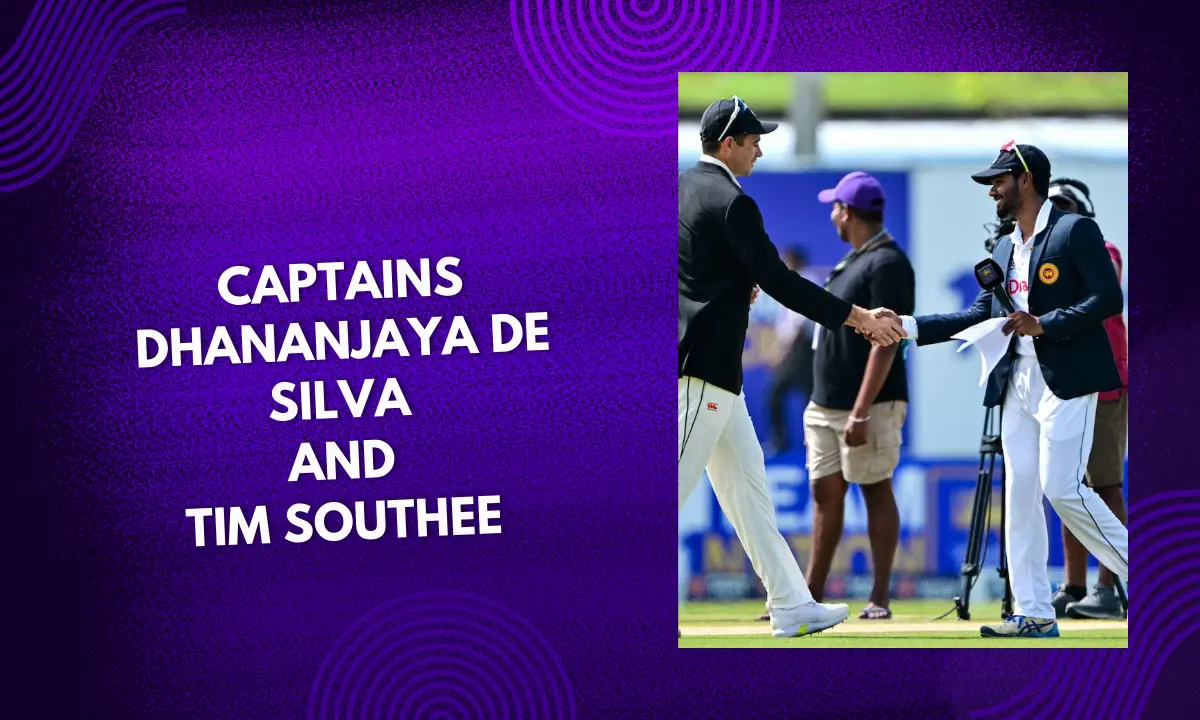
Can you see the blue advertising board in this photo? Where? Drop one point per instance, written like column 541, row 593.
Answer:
column 954, row 500
column 935, row 500
column 795, row 218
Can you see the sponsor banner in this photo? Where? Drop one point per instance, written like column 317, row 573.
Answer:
column 935, row 500
column 954, row 502
column 741, row 586
column 716, row 558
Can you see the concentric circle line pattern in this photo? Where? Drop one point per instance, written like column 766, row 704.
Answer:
column 642, row 47
column 438, row 641
column 51, row 75
column 16, row 68
column 648, row 12
column 439, row 632
column 427, row 612
column 1153, row 630
column 638, row 37
column 661, row 87
column 412, row 668
column 55, row 56
column 48, row 109
column 390, row 691
column 444, row 654
column 636, row 23
column 1166, row 528
column 438, row 638
column 1136, row 508
column 587, row 68
column 596, row 40
column 664, row 74
column 402, row 707
column 616, row 73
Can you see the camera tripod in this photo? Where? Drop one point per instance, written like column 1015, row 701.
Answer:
column 990, row 450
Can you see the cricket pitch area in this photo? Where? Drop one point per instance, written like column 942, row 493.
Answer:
column 735, row 625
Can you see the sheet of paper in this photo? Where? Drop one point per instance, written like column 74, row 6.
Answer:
column 991, row 341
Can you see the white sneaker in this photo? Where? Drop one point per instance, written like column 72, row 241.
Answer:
column 811, row 617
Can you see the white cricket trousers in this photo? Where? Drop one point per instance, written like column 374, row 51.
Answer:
column 715, row 431
column 1046, row 442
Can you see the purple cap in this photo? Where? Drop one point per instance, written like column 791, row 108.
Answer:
column 858, row 190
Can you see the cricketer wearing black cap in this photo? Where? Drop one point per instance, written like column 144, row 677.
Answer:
column 1071, row 289
column 1063, row 287
column 724, row 252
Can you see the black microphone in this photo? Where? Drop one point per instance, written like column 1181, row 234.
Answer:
column 990, row 277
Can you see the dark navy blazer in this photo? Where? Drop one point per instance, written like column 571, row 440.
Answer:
column 1073, row 289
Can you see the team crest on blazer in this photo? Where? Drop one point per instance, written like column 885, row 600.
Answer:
column 1048, row 273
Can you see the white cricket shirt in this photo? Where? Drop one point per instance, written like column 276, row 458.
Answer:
column 1017, row 279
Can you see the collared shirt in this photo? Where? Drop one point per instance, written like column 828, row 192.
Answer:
column 877, row 275
column 1018, row 273
column 714, row 161
column 882, row 237
column 1017, row 279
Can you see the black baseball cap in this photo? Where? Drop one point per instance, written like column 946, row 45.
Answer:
column 726, row 118
column 1017, row 158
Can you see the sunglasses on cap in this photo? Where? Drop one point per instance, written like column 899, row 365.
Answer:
column 738, row 106
column 1012, row 145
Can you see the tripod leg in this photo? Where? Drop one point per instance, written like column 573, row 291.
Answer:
column 1006, row 606
column 973, row 563
column 1121, row 595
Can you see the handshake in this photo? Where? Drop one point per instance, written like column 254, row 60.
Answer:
column 881, row 326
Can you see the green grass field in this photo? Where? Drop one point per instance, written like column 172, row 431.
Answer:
column 733, row 625
column 972, row 92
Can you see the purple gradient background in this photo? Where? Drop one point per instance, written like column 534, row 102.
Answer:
column 247, row 134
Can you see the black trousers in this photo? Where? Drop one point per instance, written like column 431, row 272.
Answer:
column 795, row 373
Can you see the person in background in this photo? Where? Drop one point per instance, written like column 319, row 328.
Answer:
column 854, row 422
column 1106, row 463
column 793, row 366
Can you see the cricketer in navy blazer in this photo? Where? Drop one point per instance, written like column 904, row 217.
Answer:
column 1073, row 351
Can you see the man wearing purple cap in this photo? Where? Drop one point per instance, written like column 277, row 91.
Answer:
column 854, row 422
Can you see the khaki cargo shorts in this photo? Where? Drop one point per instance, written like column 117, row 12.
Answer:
column 870, row 463
column 1106, row 464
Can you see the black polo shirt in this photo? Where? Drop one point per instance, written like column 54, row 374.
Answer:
column 880, row 276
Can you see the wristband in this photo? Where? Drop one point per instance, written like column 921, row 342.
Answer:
column 859, row 420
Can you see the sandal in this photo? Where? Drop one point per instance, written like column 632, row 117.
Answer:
column 874, row 612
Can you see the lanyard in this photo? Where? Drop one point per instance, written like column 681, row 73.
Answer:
column 854, row 254
column 845, row 262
